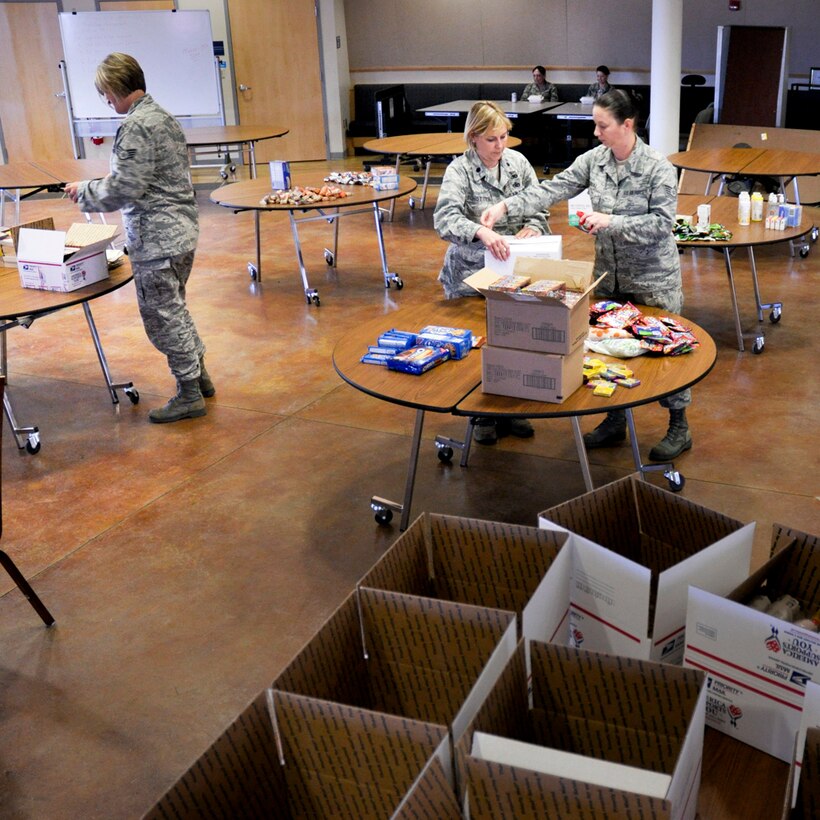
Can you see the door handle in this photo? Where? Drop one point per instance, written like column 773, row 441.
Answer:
column 243, row 87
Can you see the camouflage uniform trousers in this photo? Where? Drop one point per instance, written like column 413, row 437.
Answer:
column 160, row 286
column 671, row 300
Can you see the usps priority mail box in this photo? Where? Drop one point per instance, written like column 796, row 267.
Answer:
column 45, row 262
column 758, row 665
column 635, row 551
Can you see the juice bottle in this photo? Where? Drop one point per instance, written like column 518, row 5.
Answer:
column 757, row 207
column 744, row 208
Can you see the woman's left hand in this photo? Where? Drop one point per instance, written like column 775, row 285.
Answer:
column 595, row 221
column 526, row 233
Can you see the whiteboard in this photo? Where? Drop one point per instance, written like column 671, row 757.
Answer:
column 174, row 48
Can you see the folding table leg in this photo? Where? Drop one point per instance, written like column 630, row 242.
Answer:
column 675, row 478
column 127, row 387
column 388, row 275
column 582, row 453
column 311, row 294
column 25, row 588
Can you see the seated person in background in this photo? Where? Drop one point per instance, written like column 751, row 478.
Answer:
column 707, row 115
column 486, row 173
column 601, row 84
column 540, row 87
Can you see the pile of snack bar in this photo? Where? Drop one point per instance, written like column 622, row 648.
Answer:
column 512, row 283
column 662, row 334
column 350, row 177
column 785, row 607
column 304, row 195
column 604, row 377
column 417, row 353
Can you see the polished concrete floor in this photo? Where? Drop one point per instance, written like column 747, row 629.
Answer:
column 186, row 563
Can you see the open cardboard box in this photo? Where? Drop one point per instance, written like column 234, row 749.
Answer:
column 759, row 665
column 625, row 574
column 592, row 736
column 288, row 756
column 63, row 260
column 527, row 321
column 481, row 563
column 423, row 659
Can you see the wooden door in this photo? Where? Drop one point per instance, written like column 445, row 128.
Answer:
column 33, row 115
column 276, row 59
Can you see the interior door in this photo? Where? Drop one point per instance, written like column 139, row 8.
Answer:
column 33, row 113
column 278, row 74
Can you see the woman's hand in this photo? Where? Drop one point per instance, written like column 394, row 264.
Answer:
column 71, row 190
column 526, row 233
column 493, row 214
column 496, row 244
column 595, row 221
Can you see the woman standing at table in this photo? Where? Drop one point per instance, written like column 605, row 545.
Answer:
column 150, row 182
column 633, row 190
column 539, row 87
column 487, row 172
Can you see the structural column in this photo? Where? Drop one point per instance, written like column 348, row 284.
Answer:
column 664, row 101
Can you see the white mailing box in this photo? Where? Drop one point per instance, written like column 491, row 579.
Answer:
column 46, row 263
column 535, row 247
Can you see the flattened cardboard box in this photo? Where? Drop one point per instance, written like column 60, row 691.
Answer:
column 58, row 261
column 289, row 756
column 469, row 561
column 527, row 321
column 635, row 551
column 527, row 375
column 609, row 715
column 424, row 659
column 759, row 665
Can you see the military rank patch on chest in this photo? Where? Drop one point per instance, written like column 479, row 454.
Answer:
column 126, row 153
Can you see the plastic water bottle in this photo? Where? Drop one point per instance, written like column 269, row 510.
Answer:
column 772, row 209
column 744, row 208
column 514, row 96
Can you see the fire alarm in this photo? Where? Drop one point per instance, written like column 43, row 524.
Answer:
column 734, row 5
column 97, row 140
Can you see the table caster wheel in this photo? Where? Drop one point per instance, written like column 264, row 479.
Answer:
column 384, row 517
column 133, row 395
column 315, row 299
column 329, row 257
column 252, row 271
column 758, row 346
column 224, row 175
column 33, row 444
column 412, row 202
column 676, row 480
column 814, row 233
column 774, row 316
column 445, row 454
column 399, row 283
column 804, row 251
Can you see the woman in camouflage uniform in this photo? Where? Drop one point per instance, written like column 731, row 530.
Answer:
column 633, row 190
column 486, row 173
column 150, row 182
column 601, row 85
column 540, row 87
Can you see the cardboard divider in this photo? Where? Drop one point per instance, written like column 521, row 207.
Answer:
column 636, row 550
column 468, row 561
column 641, row 714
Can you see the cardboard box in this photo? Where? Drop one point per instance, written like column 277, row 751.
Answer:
column 527, row 321
column 538, row 376
column 592, row 736
column 290, row 756
column 626, row 572
column 403, row 655
column 758, row 666
column 548, row 246
column 803, row 789
column 63, row 260
column 481, row 563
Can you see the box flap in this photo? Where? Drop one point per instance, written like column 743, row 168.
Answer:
column 83, row 234
column 35, row 245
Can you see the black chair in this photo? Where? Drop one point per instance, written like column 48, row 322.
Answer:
column 691, row 80
column 11, row 568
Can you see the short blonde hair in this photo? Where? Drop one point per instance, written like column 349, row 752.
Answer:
column 119, row 74
column 483, row 117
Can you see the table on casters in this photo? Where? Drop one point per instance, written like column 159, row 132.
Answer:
column 455, row 387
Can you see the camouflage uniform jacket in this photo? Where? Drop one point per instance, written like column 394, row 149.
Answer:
column 468, row 188
column 548, row 94
column 637, row 249
column 150, row 182
column 596, row 91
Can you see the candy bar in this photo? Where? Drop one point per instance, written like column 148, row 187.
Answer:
column 510, row 283
column 547, row 287
column 604, row 389
column 620, row 317
column 417, row 360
